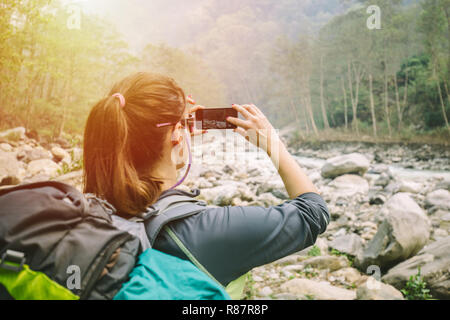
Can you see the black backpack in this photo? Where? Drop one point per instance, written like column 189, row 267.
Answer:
column 52, row 234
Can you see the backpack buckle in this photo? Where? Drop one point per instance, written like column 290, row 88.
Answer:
column 151, row 211
column 12, row 260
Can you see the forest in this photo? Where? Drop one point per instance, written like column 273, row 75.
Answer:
column 315, row 66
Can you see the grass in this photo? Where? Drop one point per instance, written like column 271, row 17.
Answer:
column 351, row 259
column 74, row 165
column 249, row 290
column 314, row 252
column 416, row 288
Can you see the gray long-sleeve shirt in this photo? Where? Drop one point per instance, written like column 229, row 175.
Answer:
column 230, row 241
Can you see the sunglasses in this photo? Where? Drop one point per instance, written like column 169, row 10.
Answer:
column 186, row 123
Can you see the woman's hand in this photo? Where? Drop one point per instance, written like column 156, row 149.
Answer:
column 193, row 110
column 256, row 128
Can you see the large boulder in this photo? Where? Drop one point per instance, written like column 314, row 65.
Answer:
column 439, row 199
column 404, row 231
column 310, row 289
column 434, row 263
column 351, row 244
column 350, row 163
column 348, row 185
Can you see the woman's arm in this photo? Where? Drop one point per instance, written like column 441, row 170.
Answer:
column 258, row 130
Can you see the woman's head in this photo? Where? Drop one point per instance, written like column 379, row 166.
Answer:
column 123, row 145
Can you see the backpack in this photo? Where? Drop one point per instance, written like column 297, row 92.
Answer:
column 147, row 227
column 58, row 244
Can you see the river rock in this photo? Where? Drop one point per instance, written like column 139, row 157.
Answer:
column 350, row 163
column 43, row 167
column 11, row 172
column 13, row 134
column 410, row 186
column 348, row 185
column 28, row 154
column 61, row 155
column 434, row 263
column 331, row 263
column 306, row 289
column 351, row 244
column 404, row 231
column 439, row 199
column 376, row 290
column 348, row 275
column 6, row 147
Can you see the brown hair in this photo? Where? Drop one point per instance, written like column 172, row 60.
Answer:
column 122, row 144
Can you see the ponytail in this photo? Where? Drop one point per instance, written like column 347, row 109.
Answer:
column 122, row 143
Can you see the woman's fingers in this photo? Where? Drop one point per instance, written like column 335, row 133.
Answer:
column 257, row 110
column 242, row 132
column 247, row 115
column 250, row 109
column 196, row 108
column 239, row 122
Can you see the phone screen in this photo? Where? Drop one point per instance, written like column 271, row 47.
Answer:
column 208, row 119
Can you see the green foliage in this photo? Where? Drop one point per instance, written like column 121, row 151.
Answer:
column 416, row 288
column 249, row 290
column 314, row 251
column 351, row 259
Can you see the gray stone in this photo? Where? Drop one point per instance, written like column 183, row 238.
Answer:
column 331, row 263
column 434, row 263
column 44, row 167
column 404, row 231
column 410, row 186
column 14, row 134
column 28, row 154
column 349, row 185
column 351, row 244
column 346, row 164
column 438, row 198
column 376, row 290
column 62, row 155
column 310, row 289
column 11, row 172
column 6, row 147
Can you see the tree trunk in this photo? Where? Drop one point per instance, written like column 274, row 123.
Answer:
column 397, row 101
column 405, row 97
column 345, row 103
column 322, row 102
column 293, row 108
column 307, row 99
column 446, row 90
column 372, row 106
column 447, row 13
column 354, row 99
column 444, row 113
column 386, row 100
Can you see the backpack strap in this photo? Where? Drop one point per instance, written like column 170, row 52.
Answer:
column 169, row 209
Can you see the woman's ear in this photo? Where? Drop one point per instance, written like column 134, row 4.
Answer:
column 176, row 135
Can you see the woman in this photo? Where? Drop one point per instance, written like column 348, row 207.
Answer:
column 129, row 141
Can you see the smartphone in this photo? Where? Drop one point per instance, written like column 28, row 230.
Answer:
column 215, row 118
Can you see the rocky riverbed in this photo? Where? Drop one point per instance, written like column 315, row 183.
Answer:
column 390, row 209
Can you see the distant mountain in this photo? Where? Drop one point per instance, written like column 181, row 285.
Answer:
column 180, row 22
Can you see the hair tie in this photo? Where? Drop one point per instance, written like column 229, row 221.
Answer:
column 121, row 99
